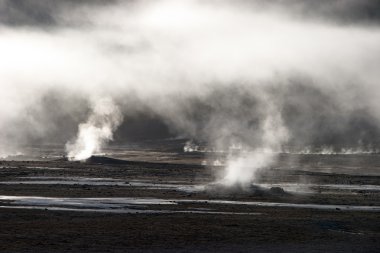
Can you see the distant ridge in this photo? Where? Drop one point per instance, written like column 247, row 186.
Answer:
column 114, row 161
column 106, row 160
column 97, row 159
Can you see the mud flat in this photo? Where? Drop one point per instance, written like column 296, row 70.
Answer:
column 316, row 204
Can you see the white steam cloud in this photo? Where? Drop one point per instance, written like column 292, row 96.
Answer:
column 242, row 167
column 98, row 129
column 165, row 54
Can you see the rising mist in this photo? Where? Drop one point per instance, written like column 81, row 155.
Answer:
column 254, row 74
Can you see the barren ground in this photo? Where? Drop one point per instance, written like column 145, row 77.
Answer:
column 330, row 204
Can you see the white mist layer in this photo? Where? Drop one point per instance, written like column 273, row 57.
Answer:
column 98, row 130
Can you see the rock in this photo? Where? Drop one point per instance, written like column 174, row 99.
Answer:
column 277, row 190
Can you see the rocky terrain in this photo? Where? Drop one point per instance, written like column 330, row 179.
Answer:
column 305, row 203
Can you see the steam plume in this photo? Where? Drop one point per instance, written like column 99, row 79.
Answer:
column 242, row 167
column 98, row 129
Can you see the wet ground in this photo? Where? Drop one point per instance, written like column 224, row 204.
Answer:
column 169, row 202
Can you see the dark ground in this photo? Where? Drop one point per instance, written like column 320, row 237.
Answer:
column 245, row 228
